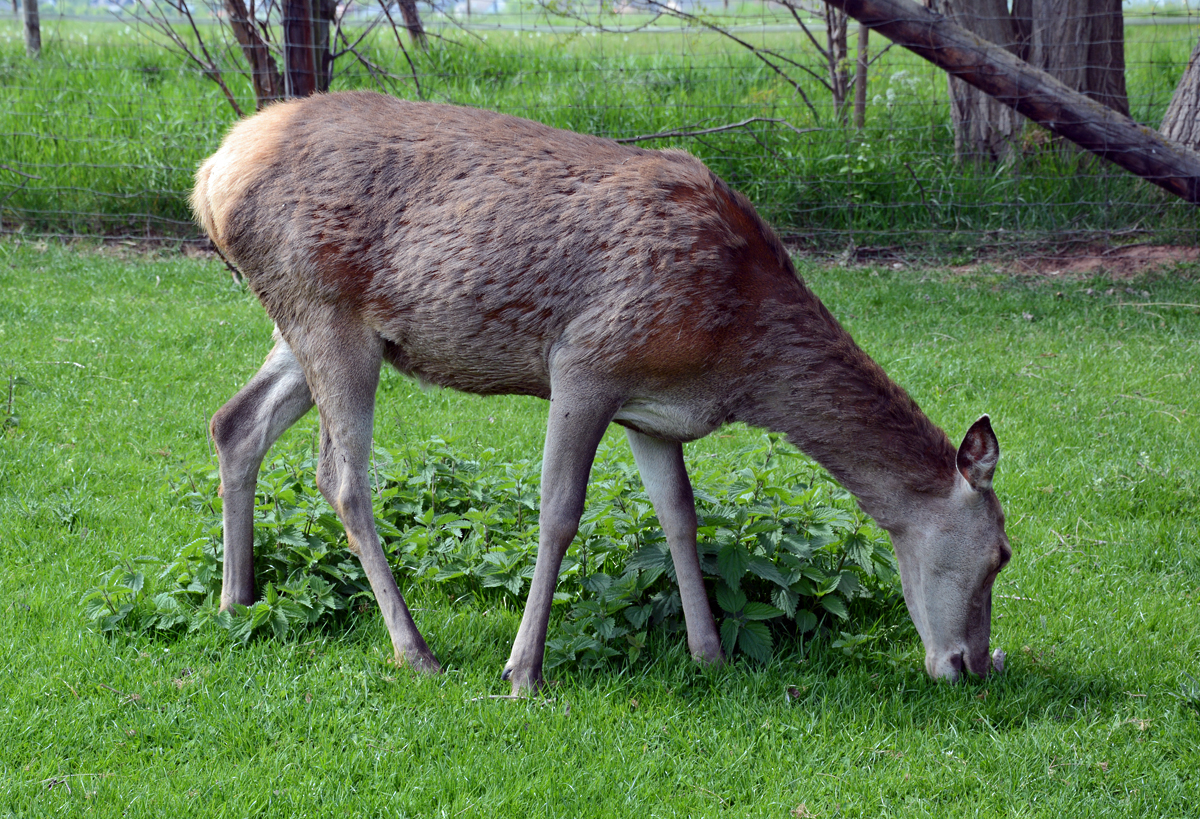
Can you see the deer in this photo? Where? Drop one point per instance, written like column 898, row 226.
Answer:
column 495, row 255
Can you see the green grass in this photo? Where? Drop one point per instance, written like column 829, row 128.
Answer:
column 114, row 126
column 116, row 363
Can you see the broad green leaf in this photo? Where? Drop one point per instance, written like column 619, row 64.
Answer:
column 759, row 565
column 596, row 583
column 797, row 545
column 639, row 615
column 760, row 611
column 835, row 606
column 731, row 600
column 755, row 640
column 806, row 621
column 785, row 599
column 732, row 561
column 848, row 584
column 729, row 634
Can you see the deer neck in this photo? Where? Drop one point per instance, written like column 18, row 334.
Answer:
column 834, row 403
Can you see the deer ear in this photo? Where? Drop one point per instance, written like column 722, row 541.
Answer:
column 978, row 455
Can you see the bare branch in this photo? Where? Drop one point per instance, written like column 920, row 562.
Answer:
column 19, row 173
column 757, row 52
column 373, row 70
column 208, row 66
column 796, row 16
column 400, row 42
column 339, row 32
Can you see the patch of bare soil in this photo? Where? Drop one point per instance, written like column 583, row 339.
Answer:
column 1080, row 262
column 1117, row 263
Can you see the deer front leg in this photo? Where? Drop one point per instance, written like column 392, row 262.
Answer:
column 344, row 372
column 665, row 478
column 243, row 430
column 578, row 418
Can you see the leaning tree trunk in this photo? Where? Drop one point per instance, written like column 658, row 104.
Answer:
column 1033, row 93
column 1181, row 123
column 1081, row 43
column 984, row 128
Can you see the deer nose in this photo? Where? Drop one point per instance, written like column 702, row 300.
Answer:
column 956, row 663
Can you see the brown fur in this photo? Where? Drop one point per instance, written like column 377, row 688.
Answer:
column 496, row 255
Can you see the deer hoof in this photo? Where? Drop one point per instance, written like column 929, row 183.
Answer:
column 523, row 684
column 424, row 663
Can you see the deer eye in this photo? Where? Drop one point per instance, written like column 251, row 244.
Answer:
column 1005, row 555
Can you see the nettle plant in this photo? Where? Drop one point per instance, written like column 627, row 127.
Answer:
column 784, row 549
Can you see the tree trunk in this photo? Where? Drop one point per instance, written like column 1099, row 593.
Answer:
column 984, row 128
column 264, row 73
column 301, row 61
column 1082, row 43
column 33, row 29
column 1037, row 95
column 836, row 28
column 412, row 21
column 1181, row 123
column 860, row 78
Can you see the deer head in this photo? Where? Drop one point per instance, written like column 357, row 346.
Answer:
column 949, row 553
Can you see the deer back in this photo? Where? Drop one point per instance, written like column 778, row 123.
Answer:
column 479, row 245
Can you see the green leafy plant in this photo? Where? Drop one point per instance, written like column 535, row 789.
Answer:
column 782, row 547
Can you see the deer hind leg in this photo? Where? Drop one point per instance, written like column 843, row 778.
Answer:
column 578, row 418
column 243, row 430
column 665, row 478
column 343, row 371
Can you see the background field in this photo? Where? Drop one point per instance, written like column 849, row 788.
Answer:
column 112, row 127
column 116, row 359
column 112, row 359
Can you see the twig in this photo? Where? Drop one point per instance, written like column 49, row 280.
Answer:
column 400, row 42
column 19, row 173
column 718, row 129
column 127, row 697
column 63, row 363
column 920, row 188
column 1142, row 398
column 713, row 795
column 538, row 700
column 1156, row 304
column 204, row 60
column 237, row 274
column 757, row 52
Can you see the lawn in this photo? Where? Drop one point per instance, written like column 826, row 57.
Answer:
column 111, row 360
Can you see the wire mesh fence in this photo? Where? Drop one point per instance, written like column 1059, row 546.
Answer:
column 839, row 138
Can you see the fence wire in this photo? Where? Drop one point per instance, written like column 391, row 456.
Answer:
column 840, row 140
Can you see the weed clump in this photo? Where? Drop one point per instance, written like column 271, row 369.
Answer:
column 783, row 549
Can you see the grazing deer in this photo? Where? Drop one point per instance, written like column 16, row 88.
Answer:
column 496, row 255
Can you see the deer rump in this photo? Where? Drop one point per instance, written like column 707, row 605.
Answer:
column 495, row 255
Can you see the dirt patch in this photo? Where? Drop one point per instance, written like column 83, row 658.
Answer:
column 1119, row 263
column 1079, row 263
column 1114, row 263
